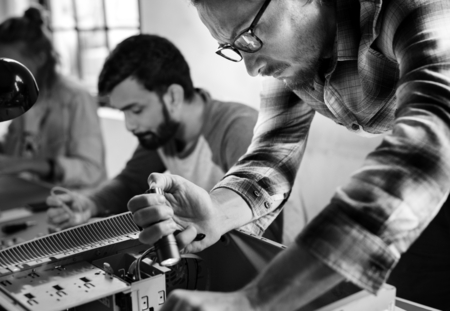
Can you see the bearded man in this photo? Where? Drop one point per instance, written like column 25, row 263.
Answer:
column 373, row 67
column 181, row 129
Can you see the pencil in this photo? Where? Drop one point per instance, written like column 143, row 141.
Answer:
column 54, row 192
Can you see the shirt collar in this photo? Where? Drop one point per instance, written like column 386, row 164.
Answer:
column 348, row 29
column 206, row 96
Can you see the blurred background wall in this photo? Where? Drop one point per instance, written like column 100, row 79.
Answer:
column 332, row 154
column 12, row 7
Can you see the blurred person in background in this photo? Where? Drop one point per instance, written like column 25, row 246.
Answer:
column 180, row 128
column 59, row 139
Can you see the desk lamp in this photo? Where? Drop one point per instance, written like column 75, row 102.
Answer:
column 18, row 89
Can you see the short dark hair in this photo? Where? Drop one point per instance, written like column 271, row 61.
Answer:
column 153, row 61
column 31, row 30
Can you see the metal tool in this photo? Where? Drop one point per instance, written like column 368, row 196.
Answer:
column 166, row 248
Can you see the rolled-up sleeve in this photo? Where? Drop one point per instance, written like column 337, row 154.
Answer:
column 267, row 171
column 389, row 201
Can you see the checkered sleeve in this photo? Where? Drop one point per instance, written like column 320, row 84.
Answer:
column 389, row 201
column 267, row 171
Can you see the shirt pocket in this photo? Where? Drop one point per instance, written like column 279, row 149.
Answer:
column 379, row 77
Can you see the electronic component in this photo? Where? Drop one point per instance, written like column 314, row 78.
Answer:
column 166, row 247
column 87, row 268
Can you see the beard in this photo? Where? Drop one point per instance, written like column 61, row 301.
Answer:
column 164, row 133
column 303, row 79
column 309, row 57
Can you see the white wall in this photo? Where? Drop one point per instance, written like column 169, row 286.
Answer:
column 119, row 143
column 9, row 8
column 177, row 20
column 332, row 154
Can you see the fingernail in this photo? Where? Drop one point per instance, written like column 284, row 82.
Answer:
column 199, row 237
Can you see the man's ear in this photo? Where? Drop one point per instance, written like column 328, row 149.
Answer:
column 174, row 98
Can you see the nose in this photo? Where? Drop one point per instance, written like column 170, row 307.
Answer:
column 130, row 124
column 251, row 63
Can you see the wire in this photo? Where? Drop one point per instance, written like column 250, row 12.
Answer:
column 197, row 259
column 137, row 271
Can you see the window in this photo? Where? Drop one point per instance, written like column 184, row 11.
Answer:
column 85, row 31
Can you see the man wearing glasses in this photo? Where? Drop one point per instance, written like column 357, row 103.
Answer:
column 373, row 67
column 180, row 128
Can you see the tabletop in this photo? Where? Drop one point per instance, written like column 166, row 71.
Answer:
column 20, row 201
column 18, row 192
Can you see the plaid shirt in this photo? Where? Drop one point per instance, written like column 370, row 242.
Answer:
column 390, row 71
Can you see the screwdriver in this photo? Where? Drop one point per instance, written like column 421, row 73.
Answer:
column 166, row 248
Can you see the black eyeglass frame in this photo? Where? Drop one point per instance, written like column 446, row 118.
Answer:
column 249, row 30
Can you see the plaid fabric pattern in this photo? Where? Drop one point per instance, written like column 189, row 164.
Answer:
column 390, row 71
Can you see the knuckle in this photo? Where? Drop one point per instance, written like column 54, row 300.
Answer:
column 166, row 226
column 159, row 213
column 152, row 177
column 137, row 218
column 135, row 203
column 147, row 237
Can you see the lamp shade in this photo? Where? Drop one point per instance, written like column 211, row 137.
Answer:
column 18, row 89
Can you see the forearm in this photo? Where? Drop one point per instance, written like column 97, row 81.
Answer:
column 264, row 176
column 293, row 279
column 233, row 210
column 263, row 204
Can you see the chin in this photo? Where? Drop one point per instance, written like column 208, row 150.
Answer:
column 302, row 79
column 298, row 84
column 149, row 145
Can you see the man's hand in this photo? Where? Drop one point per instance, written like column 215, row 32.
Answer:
column 180, row 300
column 69, row 209
column 291, row 280
column 184, row 207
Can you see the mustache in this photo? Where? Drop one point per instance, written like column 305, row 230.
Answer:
column 144, row 135
column 272, row 69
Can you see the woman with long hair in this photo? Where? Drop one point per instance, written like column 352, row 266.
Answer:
column 59, row 139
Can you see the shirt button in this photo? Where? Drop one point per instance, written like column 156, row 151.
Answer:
column 376, row 268
column 355, row 127
column 267, row 204
column 256, row 193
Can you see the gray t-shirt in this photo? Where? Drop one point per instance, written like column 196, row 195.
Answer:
column 225, row 136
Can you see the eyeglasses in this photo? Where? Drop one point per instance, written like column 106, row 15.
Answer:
column 246, row 41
